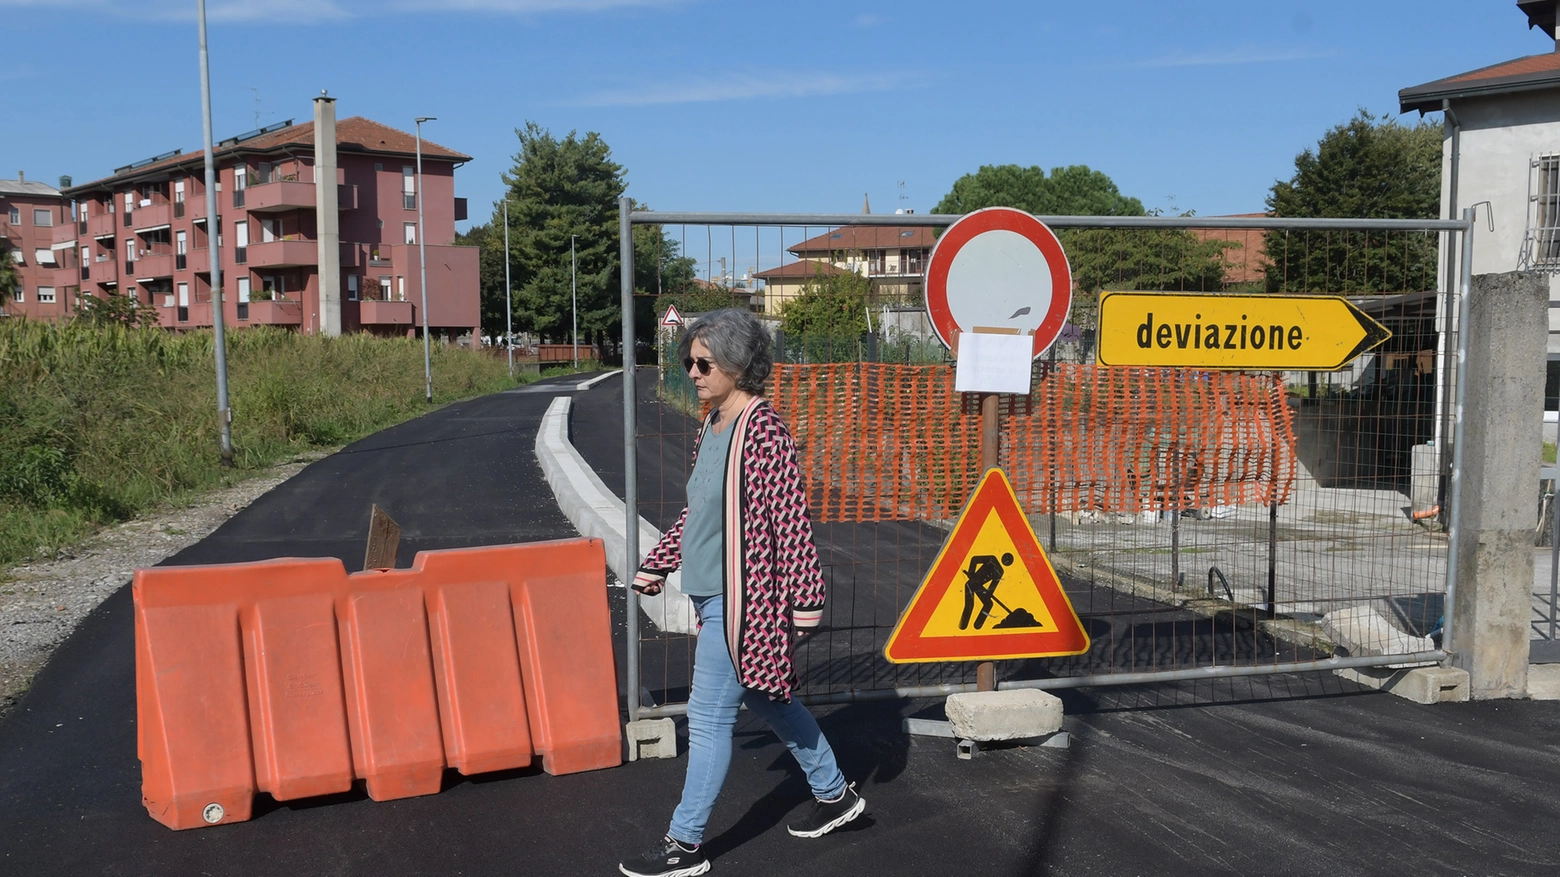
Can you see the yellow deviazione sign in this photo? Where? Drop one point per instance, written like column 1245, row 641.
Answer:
column 1248, row 332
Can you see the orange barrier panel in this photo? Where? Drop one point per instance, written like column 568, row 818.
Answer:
column 292, row 678
column 887, row 442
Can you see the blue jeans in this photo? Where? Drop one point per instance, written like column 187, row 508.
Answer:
column 712, row 713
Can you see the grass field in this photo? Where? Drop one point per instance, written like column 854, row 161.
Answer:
column 97, row 423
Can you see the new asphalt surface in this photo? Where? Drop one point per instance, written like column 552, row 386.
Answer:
column 1303, row 776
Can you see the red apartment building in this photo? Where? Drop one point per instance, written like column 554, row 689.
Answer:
column 316, row 226
column 31, row 213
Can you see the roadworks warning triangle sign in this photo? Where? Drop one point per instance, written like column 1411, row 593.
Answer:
column 991, row 594
column 672, row 317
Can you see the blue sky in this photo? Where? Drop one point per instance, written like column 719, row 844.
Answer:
column 798, row 106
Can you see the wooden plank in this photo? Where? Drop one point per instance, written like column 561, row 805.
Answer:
column 384, row 537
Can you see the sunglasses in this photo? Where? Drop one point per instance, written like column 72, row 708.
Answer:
column 703, row 363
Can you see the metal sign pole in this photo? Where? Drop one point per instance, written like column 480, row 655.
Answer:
column 990, row 425
column 630, row 464
column 509, row 325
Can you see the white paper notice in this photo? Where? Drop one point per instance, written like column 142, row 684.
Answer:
column 992, row 363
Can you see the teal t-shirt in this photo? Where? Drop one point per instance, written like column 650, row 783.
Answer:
column 702, row 538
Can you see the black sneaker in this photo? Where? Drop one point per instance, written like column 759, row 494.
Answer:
column 667, row 858
column 825, row 816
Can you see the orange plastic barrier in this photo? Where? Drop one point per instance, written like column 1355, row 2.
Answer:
column 292, row 678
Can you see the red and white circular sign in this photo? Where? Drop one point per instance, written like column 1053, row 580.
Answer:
column 999, row 268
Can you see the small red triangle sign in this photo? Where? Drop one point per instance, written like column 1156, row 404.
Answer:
column 991, row 594
column 672, row 317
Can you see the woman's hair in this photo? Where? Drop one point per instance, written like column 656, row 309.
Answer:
column 737, row 343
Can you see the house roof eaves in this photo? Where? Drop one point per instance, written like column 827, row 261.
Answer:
column 1427, row 98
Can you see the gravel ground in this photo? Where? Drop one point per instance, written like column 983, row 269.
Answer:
column 43, row 601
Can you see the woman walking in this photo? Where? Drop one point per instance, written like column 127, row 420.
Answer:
column 745, row 546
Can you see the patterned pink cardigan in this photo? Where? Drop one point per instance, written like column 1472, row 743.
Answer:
column 772, row 575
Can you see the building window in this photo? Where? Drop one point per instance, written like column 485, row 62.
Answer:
column 408, row 187
column 352, row 287
column 45, row 295
column 240, row 183
column 21, row 294
column 181, row 250
column 16, row 215
column 43, row 217
column 400, row 287
column 409, row 229
column 184, row 303
column 240, row 242
column 178, row 199
column 129, row 255
column 243, row 297
column 379, row 165
column 43, row 256
column 1548, row 209
column 385, row 289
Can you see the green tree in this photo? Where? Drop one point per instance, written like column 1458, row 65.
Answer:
column 1366, row 167
column 114, row 309
column 1069, row 191
column 828, row 304
column 1100, row 258
column 9, row 276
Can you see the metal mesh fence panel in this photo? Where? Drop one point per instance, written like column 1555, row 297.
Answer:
column 1198, row 519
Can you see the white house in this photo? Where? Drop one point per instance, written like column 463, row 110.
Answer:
column 1501, row 154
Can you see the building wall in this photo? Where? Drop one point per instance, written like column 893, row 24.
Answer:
column 1500, row 137
column 375, row 226
column 26, row 237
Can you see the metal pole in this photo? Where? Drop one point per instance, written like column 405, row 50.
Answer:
column 422, row 262
column 509, row 325
column 1465, row 285
column 990, row 449
column 224, row 413
column 1101, row 680
column 630, row 464
column 574, row 300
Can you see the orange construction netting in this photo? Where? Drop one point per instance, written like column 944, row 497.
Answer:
column 883, row 442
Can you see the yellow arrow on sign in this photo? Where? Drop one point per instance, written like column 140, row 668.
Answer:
column 1249, row 332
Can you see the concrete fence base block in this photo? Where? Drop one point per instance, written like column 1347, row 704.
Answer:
column 651, row 738
column 1419, row 684
column 1014, row 714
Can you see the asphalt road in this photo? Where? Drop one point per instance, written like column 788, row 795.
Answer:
column 1296, row 775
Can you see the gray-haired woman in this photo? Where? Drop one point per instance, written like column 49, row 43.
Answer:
column 745, row 546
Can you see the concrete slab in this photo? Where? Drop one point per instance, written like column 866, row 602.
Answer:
column 1014, row 714
column 1544, row 681
column 1363, row 631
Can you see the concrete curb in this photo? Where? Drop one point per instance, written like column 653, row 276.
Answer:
column 586, row 385
column 597, row 513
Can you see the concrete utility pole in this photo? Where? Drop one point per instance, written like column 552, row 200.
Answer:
column 1501, row 397
column 422, row 261
column 213, row 230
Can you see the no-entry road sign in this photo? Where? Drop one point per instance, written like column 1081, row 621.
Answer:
column 1248, row 332
column 999, row 268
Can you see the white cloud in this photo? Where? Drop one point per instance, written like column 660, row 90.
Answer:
column 1227, row 58
column 742, row 87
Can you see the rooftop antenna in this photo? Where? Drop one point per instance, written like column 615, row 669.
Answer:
column 902, row 196
column 258, row 114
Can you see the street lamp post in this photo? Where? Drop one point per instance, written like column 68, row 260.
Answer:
column 422, row 261
column 219, row 339
column 574, row 301
column 509, row 325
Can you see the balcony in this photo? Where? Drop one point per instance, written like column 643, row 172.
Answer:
column 280, row 196
column 282, row 254
column 151, row 265
column 101, row 225
column 346, row 197
column 152, row 216
column 64, row 234
column 385, row 313
column 64, row 277
column 277, row 312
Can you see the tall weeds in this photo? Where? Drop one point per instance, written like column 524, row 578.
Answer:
column 99, row 422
